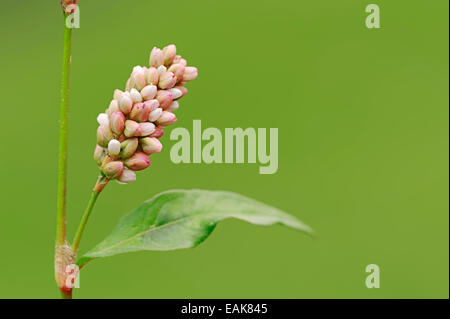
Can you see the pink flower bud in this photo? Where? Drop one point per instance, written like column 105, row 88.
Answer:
column 128, row 85
column 139, row 79
column 99, row 154
column 178, row 70
column 161, row 70
column 104, row 135
column 125, row 104
column 167, row 80
column 156, row 57
column 176, row 93
column 131, row 83
column 140, row 112
column 164, row 98
column 129, row 147
column 137, row 68
column 135, row 96
column 149, row 92
column 167, row 118
column 150, row 145
column 158, row 132
column 190, row 73
column 113, row 107
column 152, row 104
column 127, row 176
column 152, row 76
column 154, row 115
column 180, row 60
column 138, row 161
column 114, row 147
column 117, row 94
column 169, row 53
column 132, row 128
column 103, row 119
column 174, row 106
column 113, row 169
column 117, row 122
column 182, row 89
column 147, row 128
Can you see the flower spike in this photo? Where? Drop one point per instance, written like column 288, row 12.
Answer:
column 130, row 128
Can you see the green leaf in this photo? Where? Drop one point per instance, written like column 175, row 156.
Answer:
column 180, row 219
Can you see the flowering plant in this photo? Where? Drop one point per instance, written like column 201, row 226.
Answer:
column 129, row 132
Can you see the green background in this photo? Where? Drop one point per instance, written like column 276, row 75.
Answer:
column 363, row 145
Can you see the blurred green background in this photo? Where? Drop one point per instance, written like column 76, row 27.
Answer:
column 363, row 145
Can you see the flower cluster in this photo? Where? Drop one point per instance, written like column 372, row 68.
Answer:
column 130, row 128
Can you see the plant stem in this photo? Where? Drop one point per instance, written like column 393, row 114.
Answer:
column 66, row 294
column 62, row 159
column 101, row 183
